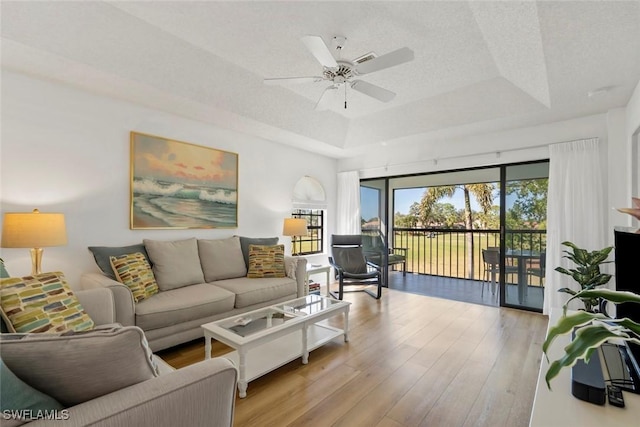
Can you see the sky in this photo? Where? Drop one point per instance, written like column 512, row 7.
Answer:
column 405, row 197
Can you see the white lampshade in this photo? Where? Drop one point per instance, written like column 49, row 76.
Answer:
column 33, row 230
column 294, row 227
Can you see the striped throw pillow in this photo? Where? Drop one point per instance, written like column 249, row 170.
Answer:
column 266, row 261
column 133, row 270
column 42, row 303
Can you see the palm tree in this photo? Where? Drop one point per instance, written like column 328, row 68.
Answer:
column 483, row 194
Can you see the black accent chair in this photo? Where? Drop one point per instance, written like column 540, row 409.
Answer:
column 351, row 267
column 374, row 252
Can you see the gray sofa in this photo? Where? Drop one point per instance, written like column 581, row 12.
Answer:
column 200, row 281
column 198, row 395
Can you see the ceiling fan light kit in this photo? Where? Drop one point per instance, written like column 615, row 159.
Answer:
column 342, row 72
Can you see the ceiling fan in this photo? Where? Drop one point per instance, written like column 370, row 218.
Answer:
column 340, row 72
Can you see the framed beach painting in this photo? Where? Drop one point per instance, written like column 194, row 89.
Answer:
column 176, row 184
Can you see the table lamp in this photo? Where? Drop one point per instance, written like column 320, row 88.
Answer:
column 294, row 227
column 33, row 230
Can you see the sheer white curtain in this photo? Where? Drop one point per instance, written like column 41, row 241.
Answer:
column 348, row 206
column 575, row 211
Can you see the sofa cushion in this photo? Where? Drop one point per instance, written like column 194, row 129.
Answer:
column 255, row 291
column 102, row 253
column 175, row 263
column 42, row 303
column 18, row 395
column 134, row 272
column 182, row 305
column 73, row 368
column 266, row 261
column 221, row 259
column 245, row 242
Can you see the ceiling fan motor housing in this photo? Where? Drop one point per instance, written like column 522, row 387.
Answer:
column 343, row 73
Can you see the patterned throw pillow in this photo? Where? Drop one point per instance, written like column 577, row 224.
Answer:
column 266, row 261
column 42, row 303
column 134, row 271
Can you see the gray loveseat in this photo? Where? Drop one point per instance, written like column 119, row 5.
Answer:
column 200, row 281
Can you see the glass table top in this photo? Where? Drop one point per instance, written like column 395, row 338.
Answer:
column 257, row 321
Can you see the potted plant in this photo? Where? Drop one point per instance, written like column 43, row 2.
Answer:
column 592, row 329
column 587, row 273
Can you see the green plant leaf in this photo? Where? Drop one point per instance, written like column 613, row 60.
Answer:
column 587, row 337
column 566, row 324
column 602, row 279
column 598, row 257
column 567, row 291
column 581, row 256
column 571, row 245
column 629, row 324
column 615, row 297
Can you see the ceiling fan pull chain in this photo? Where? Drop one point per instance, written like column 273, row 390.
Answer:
column 345, row 96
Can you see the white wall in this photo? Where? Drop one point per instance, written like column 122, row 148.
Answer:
column 619, row 171
column 633, row 144
column 64, row 150
column 624, row 128
column 475, row 150
column 617, row 130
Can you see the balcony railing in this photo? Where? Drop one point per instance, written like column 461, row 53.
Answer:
column 444, row 252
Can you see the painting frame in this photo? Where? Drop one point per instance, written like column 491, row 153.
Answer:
column 180, row 185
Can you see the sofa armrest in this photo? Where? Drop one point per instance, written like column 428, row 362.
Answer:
column 300, row 265
column 99, row 305
column 122, row 296
column 198, row 395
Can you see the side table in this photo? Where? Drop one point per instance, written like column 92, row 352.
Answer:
column 316, row 269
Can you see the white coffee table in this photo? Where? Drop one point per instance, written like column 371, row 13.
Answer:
column 276, row 335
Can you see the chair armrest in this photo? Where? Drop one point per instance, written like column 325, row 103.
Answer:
column 375, row 266
column 202, row 394
column 338, row 270
column 122, row 296
column 399, row 249
column 99, row 305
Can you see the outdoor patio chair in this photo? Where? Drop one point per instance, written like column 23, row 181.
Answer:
column 537, row 268
column 374, row 252
column 491, row 262
column 351, row 266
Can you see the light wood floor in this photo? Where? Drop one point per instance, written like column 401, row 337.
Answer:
column 412, row 360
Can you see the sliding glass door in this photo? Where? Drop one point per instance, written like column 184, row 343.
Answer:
column 448, row 222
column 525, row 237
column 373, row 202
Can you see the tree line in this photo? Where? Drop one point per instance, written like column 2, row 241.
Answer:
column 528, row 211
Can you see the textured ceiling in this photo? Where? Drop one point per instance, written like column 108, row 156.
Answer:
column 495, row 64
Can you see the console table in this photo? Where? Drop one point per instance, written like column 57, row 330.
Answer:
column 558, row 407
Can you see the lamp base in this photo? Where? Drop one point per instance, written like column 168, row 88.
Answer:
column 36, row 260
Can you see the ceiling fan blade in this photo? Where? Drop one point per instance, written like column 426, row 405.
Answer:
column 327, row 98
column 390, row 59
column 319, row 49
column 373, row 91
column 294, row 80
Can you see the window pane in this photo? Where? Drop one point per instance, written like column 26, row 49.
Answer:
column 312, row 242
